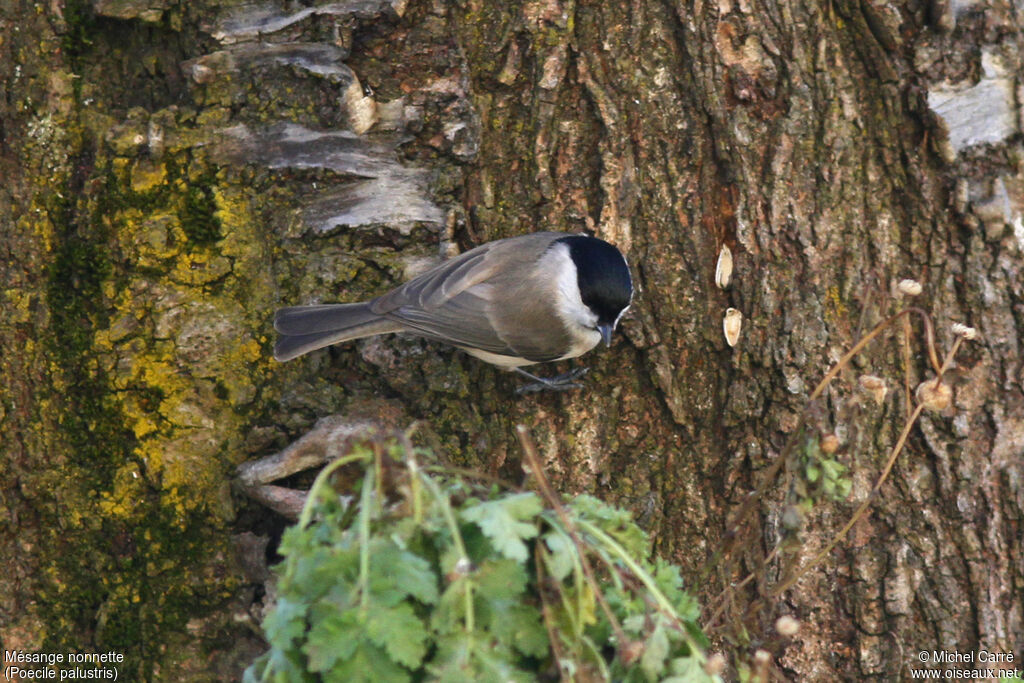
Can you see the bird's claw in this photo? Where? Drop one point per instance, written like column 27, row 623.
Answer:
column 564, row 382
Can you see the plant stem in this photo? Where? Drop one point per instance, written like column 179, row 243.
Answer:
column 321, row 481
column 453, row 526
column 861, row 509
column 645, row 578
column 533, row 460
column 366, row 500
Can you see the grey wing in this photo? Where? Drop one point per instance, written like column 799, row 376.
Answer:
column 437, row 285
column 463, row 321
column 452, row 301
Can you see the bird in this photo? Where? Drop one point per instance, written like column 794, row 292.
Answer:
column 513, row 302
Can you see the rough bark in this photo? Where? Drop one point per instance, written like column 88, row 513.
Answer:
column 172, row 174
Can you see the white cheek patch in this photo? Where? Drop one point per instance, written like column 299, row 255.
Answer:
column 571, row 309
column 579, row 320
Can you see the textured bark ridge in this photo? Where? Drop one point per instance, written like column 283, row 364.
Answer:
column 175, row 172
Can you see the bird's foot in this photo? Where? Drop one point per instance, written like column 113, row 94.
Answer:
column 563, row 382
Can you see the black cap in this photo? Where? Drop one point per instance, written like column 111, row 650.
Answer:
column 602, row 276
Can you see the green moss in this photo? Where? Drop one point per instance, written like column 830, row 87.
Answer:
column 152, row 189
column 77, row 40
column 74, row 296
column 118, row 193
column 479, row 25
column 198, row 212
column 128, row 562
column 126, row 586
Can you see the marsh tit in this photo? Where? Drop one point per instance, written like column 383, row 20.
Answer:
column 541, row 297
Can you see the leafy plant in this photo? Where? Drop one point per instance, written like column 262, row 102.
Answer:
column 426, row 576
column 824, row 476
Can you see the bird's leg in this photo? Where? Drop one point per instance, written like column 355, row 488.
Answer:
column 563, row 382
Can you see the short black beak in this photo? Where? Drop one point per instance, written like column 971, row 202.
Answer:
column 606, row 333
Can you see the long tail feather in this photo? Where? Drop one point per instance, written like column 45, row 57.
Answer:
column 307, row 328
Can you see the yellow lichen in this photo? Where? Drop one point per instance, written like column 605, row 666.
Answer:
column 835, row 309
column 143, row 426
column 146, row 175
column 19, row 310
column 128, row 491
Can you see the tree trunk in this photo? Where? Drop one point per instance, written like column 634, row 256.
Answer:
column 174, row 173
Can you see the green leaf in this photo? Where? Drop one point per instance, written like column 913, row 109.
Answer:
column 496, row 666
column 597, row 510
column 294, row 541
column 499, row 586
column 507, row 522
column 332, row 638
column 285, row 623
column 615, row 522
column 451, row 610
column 668, row 580
column 403, row 572
column 463, row 657
column 833, row 468
column 277, row 665
column 520, row 626
column 656, row 650
column 369, row 664
column 453, row 660
column 500, row 579
column 314, row 573
column 575, row 613
column 687, row 670
column 399, row 631
column 560, row 558
column 635, row 623
column 478, row 545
